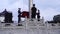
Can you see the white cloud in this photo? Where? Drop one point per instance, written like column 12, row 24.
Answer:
column 47, row 3
column 49, row 13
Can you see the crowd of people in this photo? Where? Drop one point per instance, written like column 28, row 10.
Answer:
column 8, row 16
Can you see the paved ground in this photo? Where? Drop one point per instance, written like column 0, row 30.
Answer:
column 29, row 31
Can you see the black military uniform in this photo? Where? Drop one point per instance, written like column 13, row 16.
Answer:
column 38, row 15
column 33, row 11
column 19, row 15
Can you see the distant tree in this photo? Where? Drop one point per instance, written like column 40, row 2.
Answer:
column 56, row 18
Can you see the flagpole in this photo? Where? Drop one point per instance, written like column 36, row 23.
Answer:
column 30, row 5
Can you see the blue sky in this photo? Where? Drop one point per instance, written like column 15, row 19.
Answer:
column 48, row 8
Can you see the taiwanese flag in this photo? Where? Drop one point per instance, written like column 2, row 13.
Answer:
column 25, row 14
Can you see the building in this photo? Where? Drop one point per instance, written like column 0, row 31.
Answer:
column 6, row 17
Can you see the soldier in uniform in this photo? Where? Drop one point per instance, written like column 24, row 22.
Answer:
column 19, row 15
column 38, row 15
column 33, row 11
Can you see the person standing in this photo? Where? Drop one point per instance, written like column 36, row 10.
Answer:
column 38, row 15
column 33, row 11
column 19, row 15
